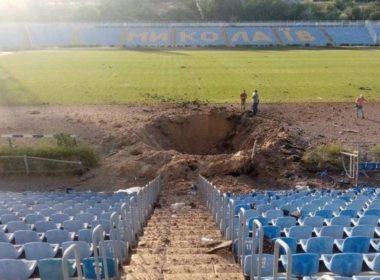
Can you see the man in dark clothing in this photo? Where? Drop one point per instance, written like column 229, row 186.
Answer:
column 255, row 101
column 243, row 97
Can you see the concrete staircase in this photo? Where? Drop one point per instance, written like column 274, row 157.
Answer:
column 171, row 246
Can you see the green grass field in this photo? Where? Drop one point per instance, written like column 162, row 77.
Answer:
column 120, row 77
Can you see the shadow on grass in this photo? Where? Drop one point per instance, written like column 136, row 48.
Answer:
column 13, row 92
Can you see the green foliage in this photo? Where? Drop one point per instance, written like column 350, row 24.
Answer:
column 65, row 140
column 185, row 10
column 375, row 151
column 324, row 157
column 85, row 154
column 216, row 76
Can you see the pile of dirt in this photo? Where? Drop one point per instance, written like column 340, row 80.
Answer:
column 136, row 143
column 217, row 143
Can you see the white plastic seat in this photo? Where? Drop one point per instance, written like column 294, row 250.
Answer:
column 40, row 250
column 58, row 236
column 10, row 251
column 16, row 269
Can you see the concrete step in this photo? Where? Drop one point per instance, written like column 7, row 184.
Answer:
column 183, row 276
column 171, row 251
column 144, row 276
column 171, row 247
column 205, row 276
column 197, row 259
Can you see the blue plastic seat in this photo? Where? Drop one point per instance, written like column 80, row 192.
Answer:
column 291, row 208
column 106, row 224
column 361, row 230
column 326, row 214
column 59, row 218
column 107, row 215
column 262, row 220
column 17, row 225
column 345, row 264
column 307, row 209
column 6, row 237
column 299, row 232
column 6, row 218
column 266, row 265
column 85, row 235
column 47, row 212
column 33, row 218
column 51, row 268
column 44, row 226
column 354, row 244
column 318, row 245
column 262, row 208
column 366, row 220
column 58, row 236
column 335, row 231
column 96, row 211
column 333, row 206
column 271, row 231
column 375, row 243
column 285, row 222
column 85, row 250
column 305, row 264
column 315, row 221
column 26, row 236
column 372, row 212
column 85, row 217
column 40, row 250
column 344, row 221
column 357, row 206
column 114, row 248
column 16, row 269
column 89, row 268
column 73, row 226
column 350, row 213
column 373, row 261
column 71, row 211
column 9, row 251
column 292, row 243
column 273, row 214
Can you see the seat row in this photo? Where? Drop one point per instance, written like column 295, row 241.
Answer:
column 319, row 231
column 38, row 240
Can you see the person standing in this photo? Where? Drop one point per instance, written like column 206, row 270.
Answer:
column 359, row 103
column 243, row 98
column 255, row 101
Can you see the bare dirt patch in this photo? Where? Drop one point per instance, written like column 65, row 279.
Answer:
column 200, row 134
column 138, row 142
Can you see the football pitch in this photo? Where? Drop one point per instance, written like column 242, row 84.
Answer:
column 216, row 76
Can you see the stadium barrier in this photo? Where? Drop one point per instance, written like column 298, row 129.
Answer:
column 25, row 36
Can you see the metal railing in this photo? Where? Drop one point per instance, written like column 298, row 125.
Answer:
column 257, row 226
column 277, row 245
column 221, row 206
column 65, row 262
column 26, row 161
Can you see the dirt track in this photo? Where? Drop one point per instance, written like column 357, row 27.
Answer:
column 137, row 142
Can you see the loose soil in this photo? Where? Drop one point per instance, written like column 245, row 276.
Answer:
column 180, row 141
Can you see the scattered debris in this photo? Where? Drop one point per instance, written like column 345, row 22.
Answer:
column 221, row 246
column 176, row 207
column 205, row 241
column 350, row 130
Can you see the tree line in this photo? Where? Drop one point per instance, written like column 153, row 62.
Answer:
column 187, row 10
